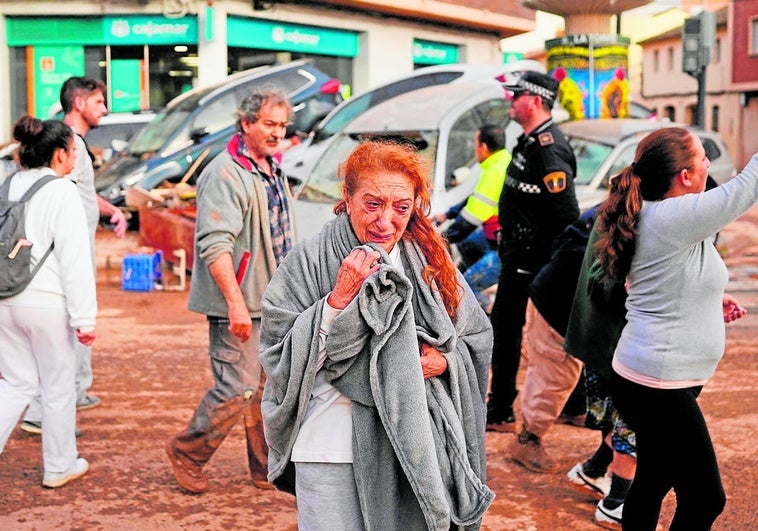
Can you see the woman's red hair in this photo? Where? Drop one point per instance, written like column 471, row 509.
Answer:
column 388, row 157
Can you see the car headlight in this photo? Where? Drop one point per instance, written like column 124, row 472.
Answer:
column 114, row 192
column 131, row 179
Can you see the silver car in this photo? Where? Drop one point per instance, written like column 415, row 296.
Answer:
column 604, row 147
column 440, row 121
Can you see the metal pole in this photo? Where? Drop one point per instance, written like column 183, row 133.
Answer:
column 700, row 122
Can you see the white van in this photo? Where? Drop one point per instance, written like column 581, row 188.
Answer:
column 440, row 121
column 298, row 161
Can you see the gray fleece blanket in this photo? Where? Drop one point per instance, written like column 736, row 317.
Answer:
column 418, row 445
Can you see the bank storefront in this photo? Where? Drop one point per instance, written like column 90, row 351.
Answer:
column 146, row 60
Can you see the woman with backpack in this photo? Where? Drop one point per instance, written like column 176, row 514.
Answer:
column 40, row 325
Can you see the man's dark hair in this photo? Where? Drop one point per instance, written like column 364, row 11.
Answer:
column 493, row 136
column 78, row 86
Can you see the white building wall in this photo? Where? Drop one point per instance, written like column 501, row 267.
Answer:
column 669, row 86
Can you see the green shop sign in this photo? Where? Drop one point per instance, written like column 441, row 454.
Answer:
column 52, row 66
column 150, row 30
column 99, row 31
column 434, row 53
column 267, row 35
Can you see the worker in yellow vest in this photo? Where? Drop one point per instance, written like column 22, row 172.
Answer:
column 475, row 227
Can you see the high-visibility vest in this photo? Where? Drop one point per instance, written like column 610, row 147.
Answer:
column 482, row 204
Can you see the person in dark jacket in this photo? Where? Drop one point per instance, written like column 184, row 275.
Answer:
column 551, row 374
column 597, row 318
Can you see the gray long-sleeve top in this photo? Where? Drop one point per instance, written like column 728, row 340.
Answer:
column 675, row 328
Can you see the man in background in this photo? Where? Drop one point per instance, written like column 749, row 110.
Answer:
column 475, row 225
column 242, row 234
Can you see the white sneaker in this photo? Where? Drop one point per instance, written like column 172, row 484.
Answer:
column 607, row 518
column 58, row 479
column 599, row 487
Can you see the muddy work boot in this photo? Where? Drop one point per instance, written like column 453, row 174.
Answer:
column 527, row 451
column 191, row 449
column 188, row 475
column 257, row 448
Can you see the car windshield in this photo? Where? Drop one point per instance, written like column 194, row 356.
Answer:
column 325, row 183
column 590, row 156
column 156, row 133
column 348, row 111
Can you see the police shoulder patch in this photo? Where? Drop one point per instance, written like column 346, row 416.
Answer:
column 555, row 182
column 546, row 139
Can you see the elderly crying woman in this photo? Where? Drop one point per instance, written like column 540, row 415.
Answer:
column 377, row 356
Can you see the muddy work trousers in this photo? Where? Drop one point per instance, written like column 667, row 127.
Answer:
column 551, row 374
column 236, row 394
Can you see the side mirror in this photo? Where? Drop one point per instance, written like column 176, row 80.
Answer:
column 118, row 145
column 198, row 134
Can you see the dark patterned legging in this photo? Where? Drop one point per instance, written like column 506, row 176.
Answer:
column 674, row 450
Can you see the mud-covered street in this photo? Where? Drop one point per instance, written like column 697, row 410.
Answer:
column 151, row 368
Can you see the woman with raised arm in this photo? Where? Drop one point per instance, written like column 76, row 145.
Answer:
column 656, row 229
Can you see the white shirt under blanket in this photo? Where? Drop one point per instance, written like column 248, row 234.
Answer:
column 326, row 433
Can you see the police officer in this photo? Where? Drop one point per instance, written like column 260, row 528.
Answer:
column 537, row 202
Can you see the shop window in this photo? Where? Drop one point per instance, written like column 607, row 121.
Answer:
column 173, row 71
column 17, row 81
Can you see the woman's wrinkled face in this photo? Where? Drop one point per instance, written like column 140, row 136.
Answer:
column 381, row 208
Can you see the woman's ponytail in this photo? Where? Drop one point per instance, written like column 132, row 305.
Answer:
column 617, row 223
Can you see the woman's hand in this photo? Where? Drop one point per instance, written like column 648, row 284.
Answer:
column 732, row 309
column 86, row 338
column 354, row 270
column 433, row 363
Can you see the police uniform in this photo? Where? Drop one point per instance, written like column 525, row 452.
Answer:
column 538, row 199
column 537, row 202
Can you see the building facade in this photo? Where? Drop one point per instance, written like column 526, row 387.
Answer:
column 149, row 51
column 731, row 101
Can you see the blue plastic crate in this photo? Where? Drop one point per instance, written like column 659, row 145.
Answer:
column 140, row 271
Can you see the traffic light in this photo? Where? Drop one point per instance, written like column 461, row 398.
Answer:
column 698, row 36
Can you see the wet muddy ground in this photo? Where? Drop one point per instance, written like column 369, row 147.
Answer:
column 151, row 369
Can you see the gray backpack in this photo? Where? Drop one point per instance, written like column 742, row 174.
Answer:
column 15, row 249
